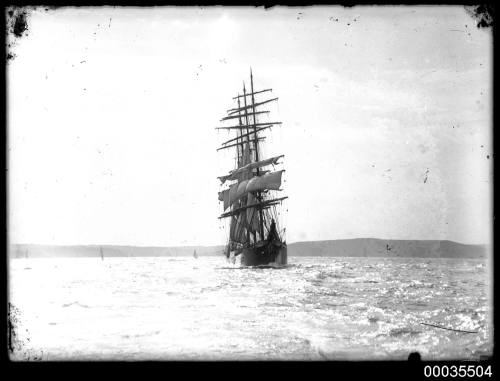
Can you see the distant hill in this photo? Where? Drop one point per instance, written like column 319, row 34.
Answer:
column 359, row 247
column 47, row 251
column 372, row 247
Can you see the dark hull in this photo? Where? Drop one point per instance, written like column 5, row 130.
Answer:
column 265, row 255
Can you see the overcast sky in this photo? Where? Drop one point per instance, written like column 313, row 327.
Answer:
column 386, row 117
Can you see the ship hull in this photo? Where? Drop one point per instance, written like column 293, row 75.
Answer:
column 265, row 255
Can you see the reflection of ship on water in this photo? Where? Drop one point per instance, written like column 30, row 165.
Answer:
column 195, row 255
column 251, row 202
column 102, row 254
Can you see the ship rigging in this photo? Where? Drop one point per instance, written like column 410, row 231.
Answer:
column 251, row 201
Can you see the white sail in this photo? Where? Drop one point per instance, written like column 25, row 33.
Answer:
column 269, row 181
column 224, row 196
column 233, row 175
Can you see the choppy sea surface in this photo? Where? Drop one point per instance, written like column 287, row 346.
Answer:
column 182, row 308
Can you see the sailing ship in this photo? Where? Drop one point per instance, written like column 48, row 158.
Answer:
column 195, row 255
column 251, row 201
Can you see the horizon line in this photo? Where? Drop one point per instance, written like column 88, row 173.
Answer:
column 205, row 245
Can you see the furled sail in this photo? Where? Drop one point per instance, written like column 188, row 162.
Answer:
column 238, row 109
column 270, row 181
column 233, row 175
column 259, row 205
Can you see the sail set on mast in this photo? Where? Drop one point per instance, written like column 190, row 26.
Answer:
column 253, row 216
column 269, row 181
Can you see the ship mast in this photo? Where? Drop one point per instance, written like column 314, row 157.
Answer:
column 245, row 198
column 247, row 135
column 259, row 194
column 239, row 136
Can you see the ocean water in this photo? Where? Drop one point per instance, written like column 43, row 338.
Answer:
column 182, row 308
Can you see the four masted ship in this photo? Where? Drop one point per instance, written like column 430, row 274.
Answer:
column 251, row 201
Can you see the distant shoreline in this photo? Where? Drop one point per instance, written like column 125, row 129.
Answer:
column 357, row 247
